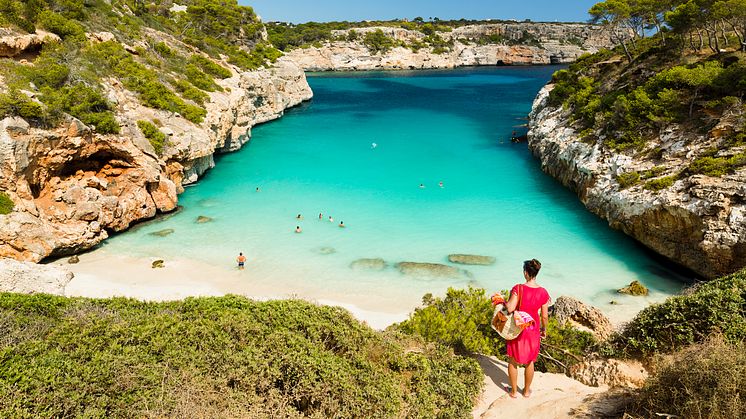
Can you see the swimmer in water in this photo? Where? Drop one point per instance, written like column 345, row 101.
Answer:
column 440, row 183
column 342, row 224
column 321, row 216
column 373, row 145
column 298, row 230
column 331, row 220
column 422, row 186
column 298, row 217
column 257, row 189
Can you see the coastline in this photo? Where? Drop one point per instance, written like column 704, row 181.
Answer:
column 101, row 275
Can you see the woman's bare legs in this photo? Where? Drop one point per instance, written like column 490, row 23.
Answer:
column 513, row 376
column 529, row 377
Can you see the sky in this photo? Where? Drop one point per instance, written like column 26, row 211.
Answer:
column 298, row 11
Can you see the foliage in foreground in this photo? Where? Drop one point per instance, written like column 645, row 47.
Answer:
column 6, row 204
column 704, row 380
column 716, row 306
column 462, row 320
column 217, row 357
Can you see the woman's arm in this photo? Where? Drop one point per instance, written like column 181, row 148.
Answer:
column 544, row 319
column 512, row 303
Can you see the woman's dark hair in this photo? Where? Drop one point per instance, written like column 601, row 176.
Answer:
column 531, row 267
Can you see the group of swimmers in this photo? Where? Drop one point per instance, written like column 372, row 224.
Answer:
column 440, row 184
column 299, row 217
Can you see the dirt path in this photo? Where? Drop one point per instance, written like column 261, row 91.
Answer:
column 554, row 395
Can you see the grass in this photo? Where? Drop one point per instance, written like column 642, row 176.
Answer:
column 218, row 357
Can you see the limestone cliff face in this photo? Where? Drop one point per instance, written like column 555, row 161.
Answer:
column 699, row 223
column 72, row 186
column 552, row 44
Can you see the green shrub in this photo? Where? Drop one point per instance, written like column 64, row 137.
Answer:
column 715, row 306
column 627, row 180
column 462, row 320
column 200, row 79
column 6, row 204
column 83, row 102
column 154, row 135
column 705, row 380
column 62, row 26
column 188, row 91
column 212, row 357
column 260, row 56
column 210, row 67
column 717, row 166
column 377, row 42
column 660, row 183
column 15, row 103
column 164, row 50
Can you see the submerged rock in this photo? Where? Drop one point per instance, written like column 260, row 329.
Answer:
column 326, row 250
column 436, row 270
column 376, row 264
column 203, row 219
column 73, row 259
column 471, row 259
column 634, row 288
column 581, row 316
column 158, row 264
column 163, row 233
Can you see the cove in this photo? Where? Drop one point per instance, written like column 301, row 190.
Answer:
column 449, row 126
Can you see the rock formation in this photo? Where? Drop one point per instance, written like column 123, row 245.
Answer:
column 29, row 278
column 471, row 259
column 698, row 223
column 581, row 316
column 522, row 44
column 15, row 45
column 610, row 372
column 432, row 270
column 72, row 186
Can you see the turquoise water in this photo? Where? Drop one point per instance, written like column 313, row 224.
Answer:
column 430, row 126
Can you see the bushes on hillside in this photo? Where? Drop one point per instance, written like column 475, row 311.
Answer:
column 377, row 42
column 210, row 67
column 715, row 306
column 704, row 380
column 6, row 204
column 217, row 357
column 156, row 138
column 462, row 318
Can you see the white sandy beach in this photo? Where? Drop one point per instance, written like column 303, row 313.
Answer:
column 101, row 275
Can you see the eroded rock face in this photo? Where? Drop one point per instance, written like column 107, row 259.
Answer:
column 697, row 223
column 581, row 316
column 72, row 186
column 554, row 44
column 13, row 45
column 30, row 278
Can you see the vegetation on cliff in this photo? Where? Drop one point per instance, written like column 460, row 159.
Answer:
column 217, row 357
column 690, row 77
column 145, row 46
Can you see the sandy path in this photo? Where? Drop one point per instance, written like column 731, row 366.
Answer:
column 554, row 395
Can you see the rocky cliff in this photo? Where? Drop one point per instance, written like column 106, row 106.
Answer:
column 472, row 45
column 72, row 186
column 699, row 222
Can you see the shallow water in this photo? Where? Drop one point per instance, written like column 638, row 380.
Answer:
column 429, row 126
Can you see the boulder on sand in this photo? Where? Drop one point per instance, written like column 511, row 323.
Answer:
column 471, row 259
column 376, row 264
column 435, row 270
column 158, row 264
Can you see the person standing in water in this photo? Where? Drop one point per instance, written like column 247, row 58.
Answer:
column 523, row 350
column 241, row 259
column 321, row 216
column 331, row 220
column 342, row 224
column 298, row 217
column 298, row 230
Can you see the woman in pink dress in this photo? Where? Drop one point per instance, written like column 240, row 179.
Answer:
column 524, row 349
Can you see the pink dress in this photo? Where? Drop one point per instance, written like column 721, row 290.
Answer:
column 525, row 348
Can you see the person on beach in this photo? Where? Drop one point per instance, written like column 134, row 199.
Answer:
column 342, row 224
column 241, row 259
column 298, row 230
column 524, row 349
